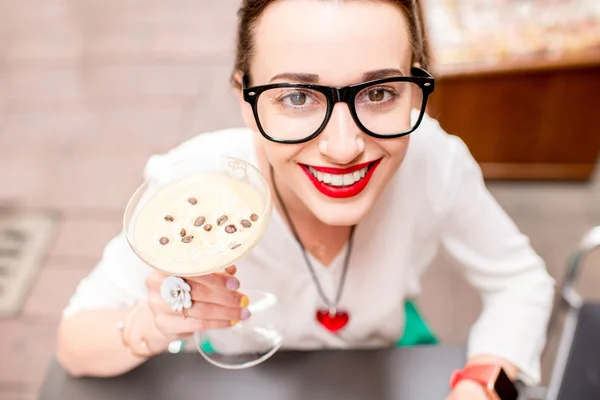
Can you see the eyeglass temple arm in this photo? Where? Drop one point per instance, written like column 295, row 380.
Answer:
column 245, row 81
column 420, row 73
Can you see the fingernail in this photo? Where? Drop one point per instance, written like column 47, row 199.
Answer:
column 232, row 284
column 234, row 322
column 244, row 302
column 245, row 314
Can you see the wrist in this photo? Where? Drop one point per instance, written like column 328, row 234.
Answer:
column 471, row 387
column 139, row 333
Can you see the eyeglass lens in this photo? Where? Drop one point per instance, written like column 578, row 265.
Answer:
column 292, row 113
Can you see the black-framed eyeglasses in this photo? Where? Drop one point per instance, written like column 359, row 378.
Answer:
column 297, row 112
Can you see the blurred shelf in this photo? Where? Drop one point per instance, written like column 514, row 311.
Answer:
column 518, row 81
column 584, row 59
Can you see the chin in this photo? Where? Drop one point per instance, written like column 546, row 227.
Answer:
column 340, row 214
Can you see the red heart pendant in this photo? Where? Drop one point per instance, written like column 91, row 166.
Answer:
column 333, row 322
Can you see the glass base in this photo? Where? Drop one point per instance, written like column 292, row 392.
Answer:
column 247, row 343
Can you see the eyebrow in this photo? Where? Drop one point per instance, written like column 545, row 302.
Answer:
column 296, row 77
column 381, row 73
column 301, row 77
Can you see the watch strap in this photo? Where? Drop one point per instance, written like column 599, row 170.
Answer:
column 484, row 374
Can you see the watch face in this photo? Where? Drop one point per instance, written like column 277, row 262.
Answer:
column 504, row 387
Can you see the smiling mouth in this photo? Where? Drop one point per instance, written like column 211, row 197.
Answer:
column 341, row 182
column 340, row 179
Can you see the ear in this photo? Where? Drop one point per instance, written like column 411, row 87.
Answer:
column 245, row 108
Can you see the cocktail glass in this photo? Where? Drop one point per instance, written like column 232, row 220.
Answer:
column 246, row 343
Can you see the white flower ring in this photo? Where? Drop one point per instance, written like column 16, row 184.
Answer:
column 175, row 291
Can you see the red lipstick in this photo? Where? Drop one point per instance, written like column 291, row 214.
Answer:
column 341, row 192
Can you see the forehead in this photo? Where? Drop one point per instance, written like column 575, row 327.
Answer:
column 338, row 40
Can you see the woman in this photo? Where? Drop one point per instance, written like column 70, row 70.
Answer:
column 356, row 165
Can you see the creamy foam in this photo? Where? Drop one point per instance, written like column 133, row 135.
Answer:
column 179, row 205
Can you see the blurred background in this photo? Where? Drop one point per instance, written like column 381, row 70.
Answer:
column 89, row 89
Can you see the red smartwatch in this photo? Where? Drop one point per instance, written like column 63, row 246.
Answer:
column 494, row 380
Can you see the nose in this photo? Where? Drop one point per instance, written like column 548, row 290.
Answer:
column 342, row 141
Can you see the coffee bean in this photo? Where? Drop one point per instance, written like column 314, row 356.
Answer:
column 222, row 219
column 246, row 224
column 207, row 227
column 183, row 233
column 230, row 229
column 193, row 201
column 254, row 217
column 163, row 240
column 169, row 218
column 199, row 221
column 235, row 246
column 187, row 239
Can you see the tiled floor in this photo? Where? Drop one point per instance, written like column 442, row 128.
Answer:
column 89, row 89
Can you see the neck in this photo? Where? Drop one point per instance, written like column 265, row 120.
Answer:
column 321, row 240
column 296, row 208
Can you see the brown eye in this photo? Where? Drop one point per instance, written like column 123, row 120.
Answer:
column 376, row 95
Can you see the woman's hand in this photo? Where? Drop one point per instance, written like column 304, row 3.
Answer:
column 216, row 304
column 468, row 390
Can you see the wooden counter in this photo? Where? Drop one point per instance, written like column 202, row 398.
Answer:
column 524, row 116
column 535, row 120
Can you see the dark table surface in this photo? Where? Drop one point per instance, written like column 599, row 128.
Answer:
column 401, row 373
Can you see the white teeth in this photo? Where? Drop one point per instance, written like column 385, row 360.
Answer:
column 339, row 179
column 348, row 179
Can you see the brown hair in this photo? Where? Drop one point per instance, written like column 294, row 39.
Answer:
column 251, row 10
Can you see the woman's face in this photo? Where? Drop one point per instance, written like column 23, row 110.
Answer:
column 333, row 44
